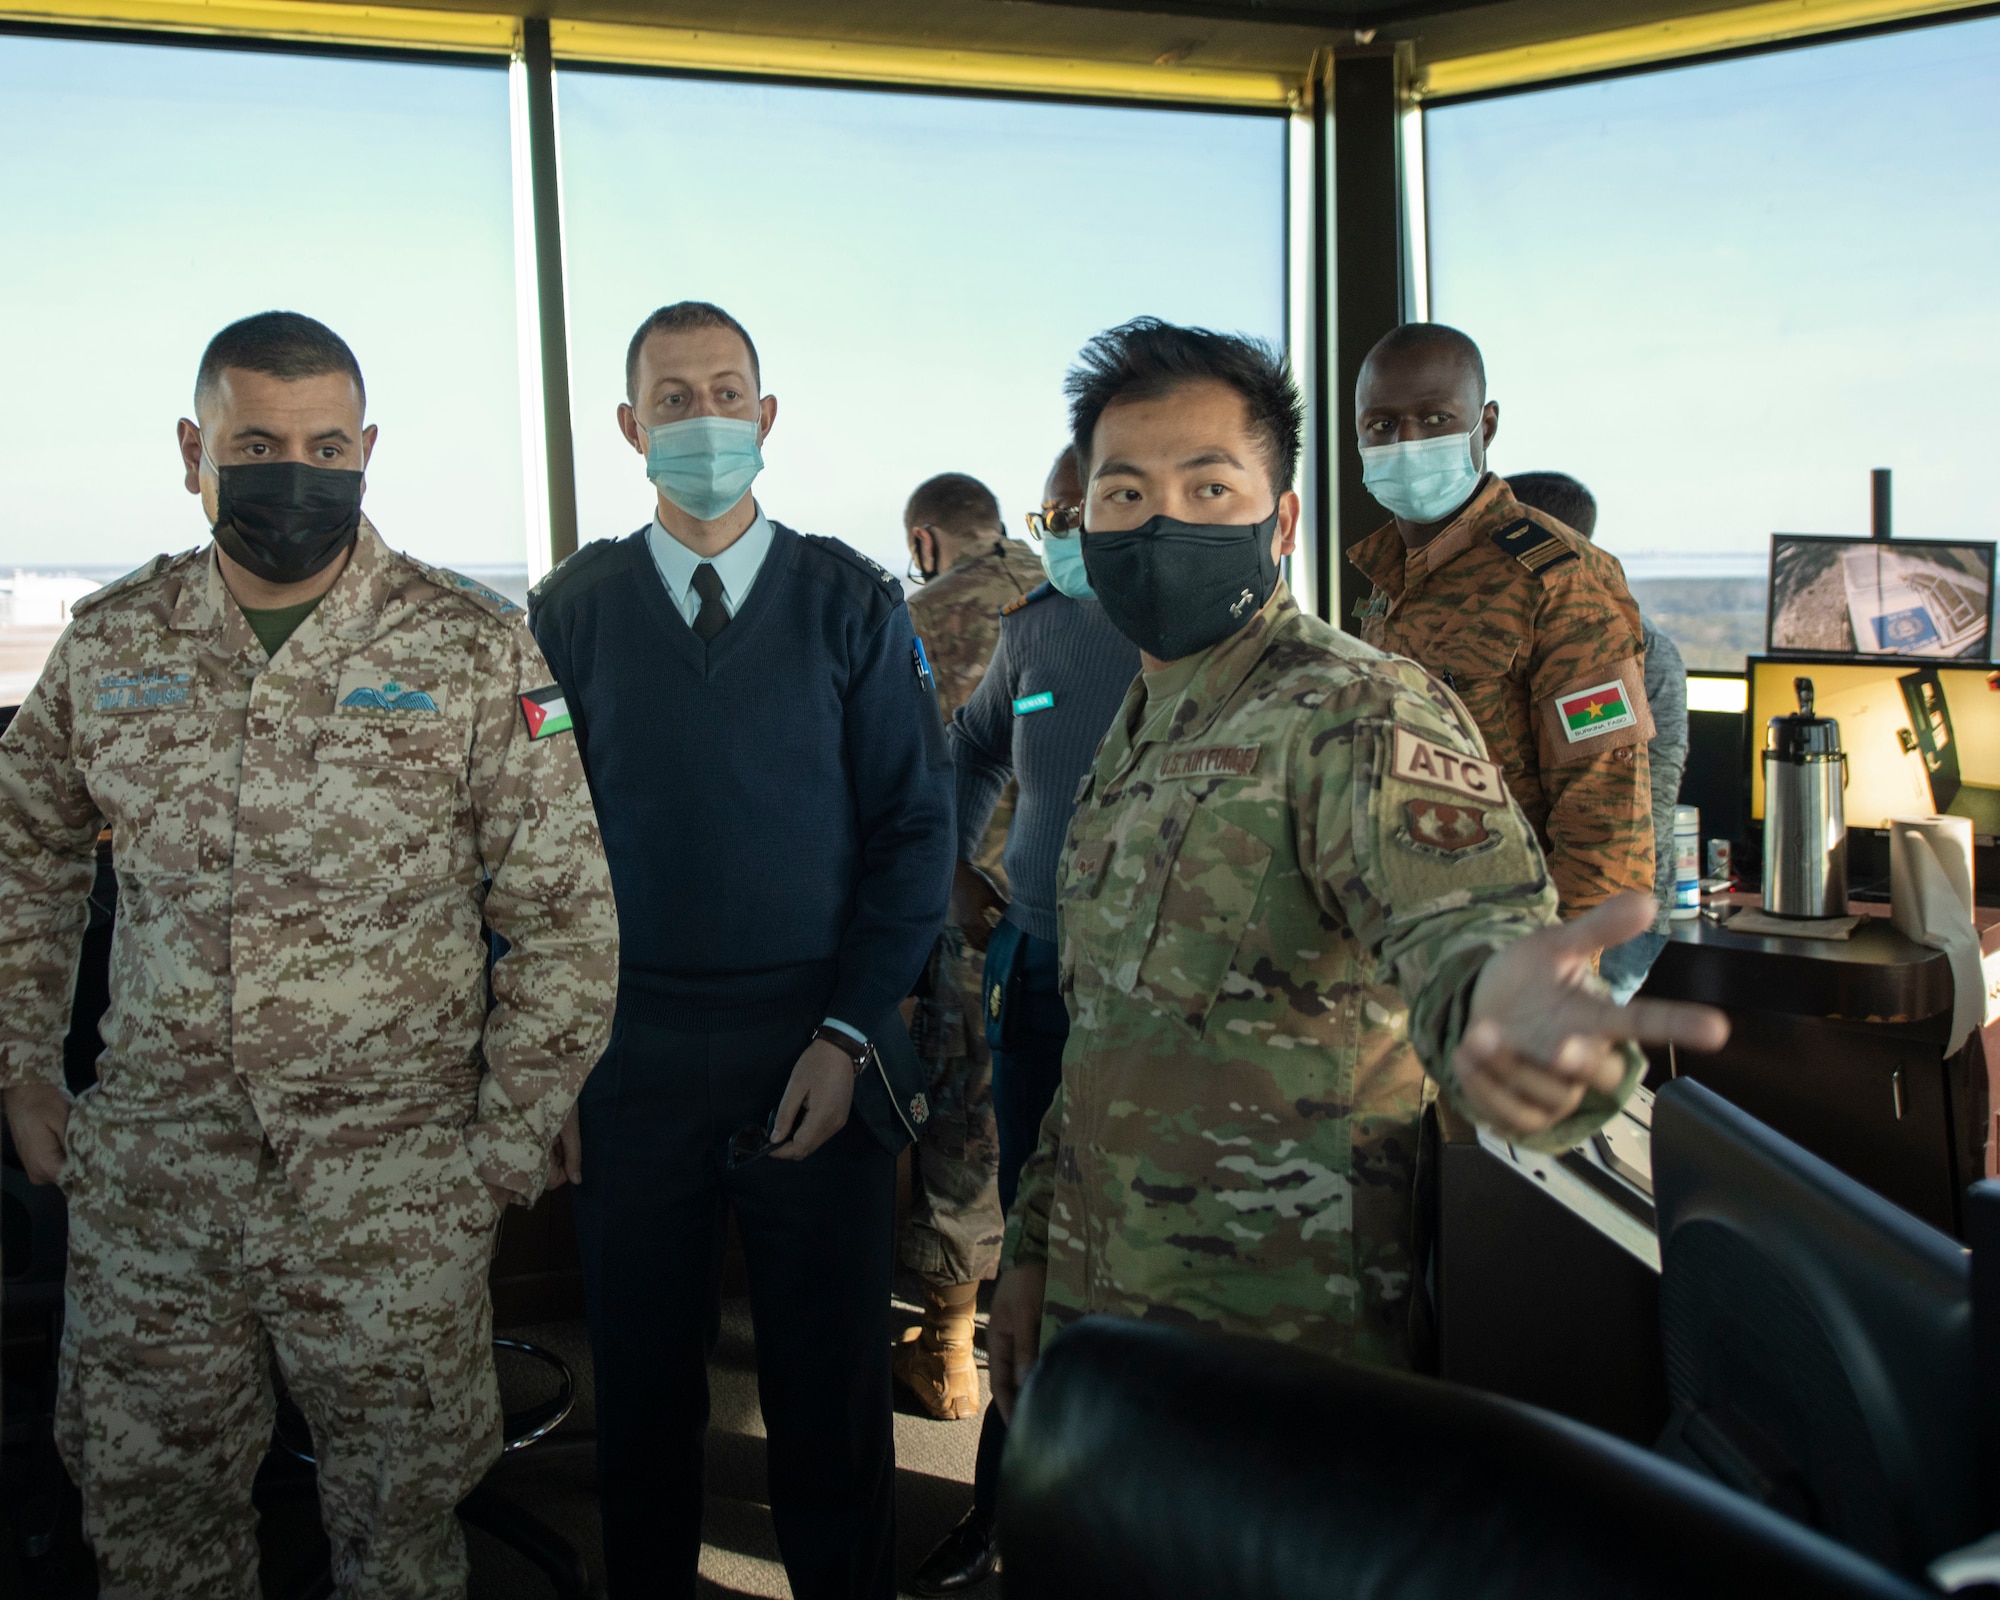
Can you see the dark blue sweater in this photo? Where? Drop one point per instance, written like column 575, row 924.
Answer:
column 777, row 803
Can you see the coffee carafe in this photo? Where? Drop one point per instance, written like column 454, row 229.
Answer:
column 1805, row 824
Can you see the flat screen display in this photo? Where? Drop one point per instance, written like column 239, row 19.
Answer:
column 1881, row 597
column 1921, row 738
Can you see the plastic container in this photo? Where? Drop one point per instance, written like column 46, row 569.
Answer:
column 1687, row 862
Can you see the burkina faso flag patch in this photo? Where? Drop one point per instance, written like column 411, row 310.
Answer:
column 1602, row 708
column 547, row 712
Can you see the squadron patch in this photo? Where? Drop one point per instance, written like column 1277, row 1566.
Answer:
column 547, row 712
column 1212, row 761
column 1417, row 760
column 920, row 1109
column 1441, row 828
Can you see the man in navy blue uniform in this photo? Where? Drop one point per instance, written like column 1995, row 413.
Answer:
column 762, row 738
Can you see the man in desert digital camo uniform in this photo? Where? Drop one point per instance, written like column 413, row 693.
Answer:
column 328, row 770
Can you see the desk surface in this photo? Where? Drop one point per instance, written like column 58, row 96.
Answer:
column 1877, row 974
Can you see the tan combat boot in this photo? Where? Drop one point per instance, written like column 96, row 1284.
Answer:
column 934, row 1362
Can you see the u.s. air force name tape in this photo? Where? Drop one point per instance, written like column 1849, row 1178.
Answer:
column 1212, row 761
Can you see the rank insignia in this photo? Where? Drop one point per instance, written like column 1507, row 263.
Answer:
column 547, row 712
column 994, row 997
column 1437, row 827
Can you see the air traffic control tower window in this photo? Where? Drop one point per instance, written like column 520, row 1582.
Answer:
column 1721, row 294
column 153, row 194
column 918, row 270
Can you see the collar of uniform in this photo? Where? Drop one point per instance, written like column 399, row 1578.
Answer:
column 1381, row 558
column 1490, row 508
column 1224, row 666
column 358, row 595
column 736, row 566
column 206, row 606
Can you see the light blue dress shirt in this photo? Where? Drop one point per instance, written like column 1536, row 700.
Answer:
column 737, row 567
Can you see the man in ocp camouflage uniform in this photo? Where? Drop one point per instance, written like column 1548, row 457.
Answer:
column 1291, row 862
column 328, row 770
column 1527, row 621
column 969, row 572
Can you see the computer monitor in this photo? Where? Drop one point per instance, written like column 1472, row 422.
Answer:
column 1875, row 597
column 1818, row 1340
column 1921, row 738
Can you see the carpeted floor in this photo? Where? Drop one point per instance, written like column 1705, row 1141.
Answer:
column 553, row 1479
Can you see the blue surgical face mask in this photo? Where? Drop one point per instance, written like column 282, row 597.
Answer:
column 1062, row 560
column 704, row 465
column 1422, row 480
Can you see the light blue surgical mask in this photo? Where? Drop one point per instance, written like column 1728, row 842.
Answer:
column 704, row 465
column 1062, row 560
column 1422, row 480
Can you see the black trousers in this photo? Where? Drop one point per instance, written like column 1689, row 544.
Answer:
column 657, row 1116
column 1027, row 1071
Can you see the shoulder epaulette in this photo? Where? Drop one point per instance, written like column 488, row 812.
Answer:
column 131, row 580
column 475, row 591
column 1535, row 547
column 880, row 575
column 566, row 569
column 1040, row 591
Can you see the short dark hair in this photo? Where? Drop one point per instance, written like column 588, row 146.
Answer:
column 956, row 503
column 1419, row 336
column 679, row 317
column 1144, row 358
column 1558, row 494
column 280, row 344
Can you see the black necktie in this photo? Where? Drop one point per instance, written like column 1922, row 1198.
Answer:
column 714, row 615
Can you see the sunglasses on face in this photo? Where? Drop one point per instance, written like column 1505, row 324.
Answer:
column 1062, row 523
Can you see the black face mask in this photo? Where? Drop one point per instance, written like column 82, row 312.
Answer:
column 284, row 520
column 1175, row 588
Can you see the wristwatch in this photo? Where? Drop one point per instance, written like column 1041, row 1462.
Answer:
column 854, row 1049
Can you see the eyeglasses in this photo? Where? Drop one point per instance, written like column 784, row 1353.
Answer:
column 1061, row 523
column 747, row 1144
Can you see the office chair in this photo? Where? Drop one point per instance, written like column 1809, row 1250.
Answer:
column 1160, row 1464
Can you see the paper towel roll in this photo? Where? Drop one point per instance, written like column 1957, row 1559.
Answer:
column 1951, row 843
column 1930, row 898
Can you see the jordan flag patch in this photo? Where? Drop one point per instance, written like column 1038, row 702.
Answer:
column 547, row 712
column 1602, row 708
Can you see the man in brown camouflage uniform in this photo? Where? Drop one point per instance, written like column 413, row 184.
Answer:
column 1291, row 863
column 969, row 571
column 1526, row 620
column 327, row 769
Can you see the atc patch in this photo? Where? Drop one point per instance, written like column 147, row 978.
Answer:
column 1418, row 760
column 547, row 712
column 1442, row 828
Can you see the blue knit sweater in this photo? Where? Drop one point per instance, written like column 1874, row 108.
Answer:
column 776, row 804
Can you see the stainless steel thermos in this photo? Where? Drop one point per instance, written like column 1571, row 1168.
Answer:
column 1805, row 825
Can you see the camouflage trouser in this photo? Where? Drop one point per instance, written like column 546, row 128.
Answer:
column 190, row 1264
column 955, row 1226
